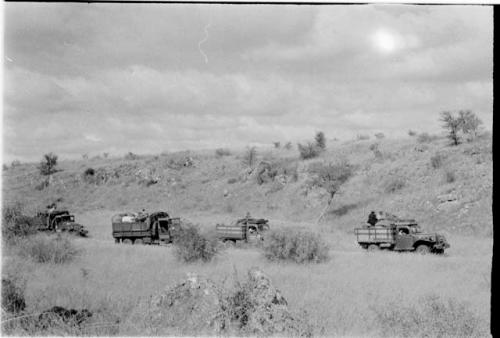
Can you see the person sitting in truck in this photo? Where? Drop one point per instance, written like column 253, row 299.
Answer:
column 372, row 218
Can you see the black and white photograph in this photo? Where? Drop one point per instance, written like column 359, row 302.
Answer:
column 246, row 169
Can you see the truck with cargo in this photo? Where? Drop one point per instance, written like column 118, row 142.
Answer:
column 154, row 228
column 59, row 221
column 245, row 229
column 400, row 236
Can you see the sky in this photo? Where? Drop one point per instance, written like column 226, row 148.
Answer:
column 151, row 78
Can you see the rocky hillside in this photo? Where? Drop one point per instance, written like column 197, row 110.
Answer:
column 446, row 188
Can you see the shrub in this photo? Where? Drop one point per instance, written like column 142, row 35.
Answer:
column 425, row 138
column 232, row 180
column 191, row 245
column 277, row 144
column 450, row 176
column 15, row 163
column 12, row 296
column 295, row 245
column 288, row 146
column 105, row 155
column 394, row 184
column 412, row 133
column 48, row 164
column 48, row 249
column 374, row 148
column 309, row 150
column 430, row 316
column 15, row 224
column 250, row 157
column 320, row 140
column 361, row 137
column 379, row 136
column 131, row 156
column 220, row 152
column 330, row 176
column 437, row 160
column 42, row 185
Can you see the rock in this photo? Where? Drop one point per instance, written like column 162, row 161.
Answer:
column 192, row 307
column 226, row 193
column 447, row 198
column 268, row 313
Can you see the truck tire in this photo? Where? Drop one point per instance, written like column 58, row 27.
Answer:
column 139, row 241
column 373, row 247
column 423, row 249
column 127, row 241
column 117, row 240
column 439, row 251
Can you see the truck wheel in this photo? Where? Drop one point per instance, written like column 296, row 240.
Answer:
column 117, row 240
column 127, row 241
column 373, row 247
column 439, row 251
column 139, row 241
column 423, row 249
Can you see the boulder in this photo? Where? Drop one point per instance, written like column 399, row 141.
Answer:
column 192, row 307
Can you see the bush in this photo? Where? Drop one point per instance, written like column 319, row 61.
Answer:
column 131, row 156
column 288, row 146
column 12, row 296
column 431, row 316
column 48, row 165
column 232, row 180
column 309, row 150
column 412, row 133
column 220, row 152
column 394, row 184
column 361, row 137
column 320, row 140
column 295, row 245
column 450, row 176
column 426, row 138
column 15, row 224
column 277, row 144
column 330, row 176
column 48, row 249
column 379, row 136
column 250, row 157
column 191, row 245
column 437, row 160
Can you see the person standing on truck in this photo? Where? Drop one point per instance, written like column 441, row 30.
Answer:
column 372, row 218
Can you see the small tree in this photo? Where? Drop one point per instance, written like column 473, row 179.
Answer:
column 320, row 140
column 277, row 144
column 470, row 124
column 453, row 125
column 48, row 164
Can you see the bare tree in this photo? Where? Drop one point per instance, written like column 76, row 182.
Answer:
column 250, row 156
column 453, row 125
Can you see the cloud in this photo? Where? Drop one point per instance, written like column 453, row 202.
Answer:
column 129, row 77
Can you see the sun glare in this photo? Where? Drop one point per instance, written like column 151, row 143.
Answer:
column 384, row 41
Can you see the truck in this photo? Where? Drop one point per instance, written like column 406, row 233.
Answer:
column 59, row 221
column 155, row 228
column 400, row 236
column 245, row 229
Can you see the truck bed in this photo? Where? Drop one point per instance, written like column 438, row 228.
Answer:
column 374, row 235
column 231, row 231
column 125, row 229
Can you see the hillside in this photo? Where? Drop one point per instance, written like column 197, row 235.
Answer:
column 446, row 188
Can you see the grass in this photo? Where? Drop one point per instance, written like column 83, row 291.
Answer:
column 343, row 296
column 115, row 278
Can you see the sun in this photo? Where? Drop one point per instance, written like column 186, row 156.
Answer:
column 384, row 41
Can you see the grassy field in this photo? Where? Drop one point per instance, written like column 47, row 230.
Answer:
column 355, row 293
column 343, row 296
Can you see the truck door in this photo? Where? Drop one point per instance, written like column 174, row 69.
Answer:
column 404, row 241
column 163, row 230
